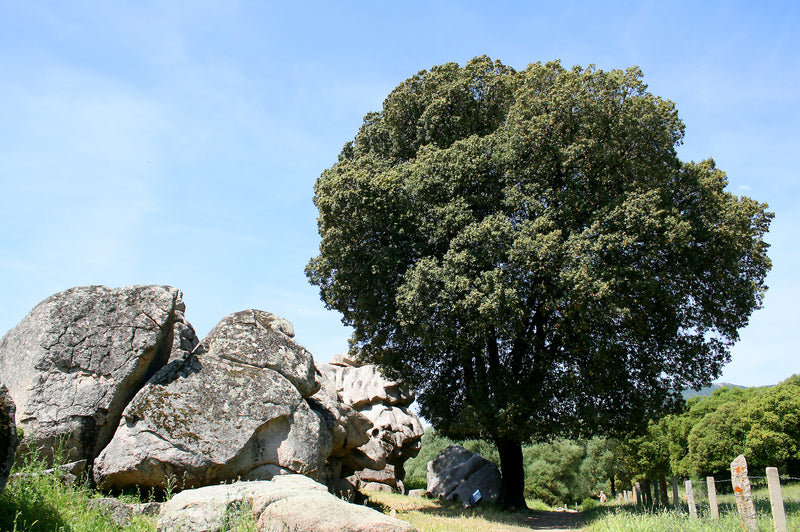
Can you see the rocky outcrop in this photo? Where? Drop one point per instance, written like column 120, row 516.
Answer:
column 456, row 473
column 77, row 359
column 118, row 379
column 235, row 408
column 290, row 502
column 8, row 435
column 349, row 429
column 363, row 386
column 395, row 432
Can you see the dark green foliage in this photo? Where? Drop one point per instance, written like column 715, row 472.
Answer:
column 526, row 249
column 761, row 423
column 559, row 472
column 773, row 420
column 552, row 471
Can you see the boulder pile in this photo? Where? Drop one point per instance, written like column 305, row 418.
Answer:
column 78, row 358
column 117, row 379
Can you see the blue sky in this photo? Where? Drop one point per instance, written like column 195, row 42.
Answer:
column 178, row 142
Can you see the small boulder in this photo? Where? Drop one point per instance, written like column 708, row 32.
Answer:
column 120, row 512
column 457, row 473
column 385, row 476
column 376, row 486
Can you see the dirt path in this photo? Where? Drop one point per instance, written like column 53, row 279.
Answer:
column 552, row 521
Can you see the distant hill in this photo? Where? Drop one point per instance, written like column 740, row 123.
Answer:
column 708, row 390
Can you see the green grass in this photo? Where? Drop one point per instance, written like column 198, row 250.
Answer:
column 40, row 501
column 628, row 518
column 440, row 516
column 432, row 515
column 43, row 503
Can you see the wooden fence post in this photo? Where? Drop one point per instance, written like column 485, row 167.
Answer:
column 744, row 497
column 676, row 502
column 690, row 500
column 776, row 500
column 712, row 497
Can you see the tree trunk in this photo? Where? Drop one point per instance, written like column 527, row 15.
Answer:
column 512, row 488
column 662, row 482
column 648, row 498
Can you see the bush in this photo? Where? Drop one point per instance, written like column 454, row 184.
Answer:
column 588, row 503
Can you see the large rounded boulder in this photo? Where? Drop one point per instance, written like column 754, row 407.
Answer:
column 457, row 473
column 235, row 408
column 77, row 359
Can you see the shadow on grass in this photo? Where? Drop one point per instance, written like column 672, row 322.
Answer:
column 29, row 515
column 467, row 518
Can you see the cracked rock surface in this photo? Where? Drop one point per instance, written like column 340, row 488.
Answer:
column 395, row 433
column 77, row 359
column 236, row 408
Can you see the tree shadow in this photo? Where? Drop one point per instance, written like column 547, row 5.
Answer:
column 30, row 515
column 531, row 519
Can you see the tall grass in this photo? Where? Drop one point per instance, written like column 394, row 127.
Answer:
column 628, row 518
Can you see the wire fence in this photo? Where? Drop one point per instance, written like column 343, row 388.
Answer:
column 725, row 486
column 750, row 495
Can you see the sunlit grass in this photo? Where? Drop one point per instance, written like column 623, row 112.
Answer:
column 433, row 515
column 628, row 518
column 42, row 502
column 38, row 499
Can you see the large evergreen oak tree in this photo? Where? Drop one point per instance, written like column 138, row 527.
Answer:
column 527, row 251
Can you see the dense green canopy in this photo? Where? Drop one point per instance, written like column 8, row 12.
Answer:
column 526, row 249
column 761, row 423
